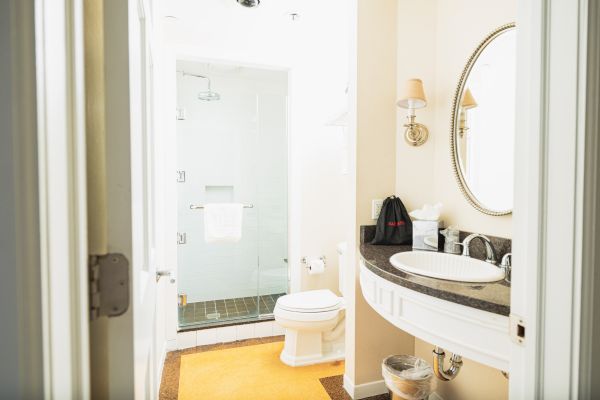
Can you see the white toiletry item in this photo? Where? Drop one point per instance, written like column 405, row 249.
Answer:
column 427, row 212
column 425, row 226
column 316, row 266
column 425, row 235
column 223, row 222
column 452, row 242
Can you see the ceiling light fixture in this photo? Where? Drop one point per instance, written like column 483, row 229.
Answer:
column 249, row 3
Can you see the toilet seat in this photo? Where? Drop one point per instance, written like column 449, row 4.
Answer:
column 312, row 301
column 296, row 316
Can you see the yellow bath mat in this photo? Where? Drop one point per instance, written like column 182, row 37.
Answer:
column 251, row 373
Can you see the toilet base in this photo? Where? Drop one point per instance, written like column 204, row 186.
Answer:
column 308, row 348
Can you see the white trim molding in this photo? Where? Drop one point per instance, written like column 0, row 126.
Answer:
column 370, row 389
column 62, row 196
column 364, row 390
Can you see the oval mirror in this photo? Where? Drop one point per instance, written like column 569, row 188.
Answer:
column 483, row 124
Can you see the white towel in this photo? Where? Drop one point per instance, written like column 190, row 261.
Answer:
column 223, row 222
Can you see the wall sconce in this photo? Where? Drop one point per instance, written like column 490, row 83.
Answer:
column 414, row 97
column 467, row 103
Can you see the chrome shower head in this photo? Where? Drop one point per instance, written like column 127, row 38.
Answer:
column 249, row 3
column 209, row 96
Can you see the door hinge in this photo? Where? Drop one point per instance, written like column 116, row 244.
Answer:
column 517, row 329
column 109, row 285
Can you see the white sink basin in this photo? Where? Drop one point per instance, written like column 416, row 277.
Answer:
column 447, row 266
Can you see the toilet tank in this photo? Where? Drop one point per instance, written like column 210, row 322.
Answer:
column 342, row 250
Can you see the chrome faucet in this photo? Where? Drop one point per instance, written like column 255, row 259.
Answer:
column 490, row 253
column 506, row 265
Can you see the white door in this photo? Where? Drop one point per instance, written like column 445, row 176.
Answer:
column 143, row 296
column 126, row 344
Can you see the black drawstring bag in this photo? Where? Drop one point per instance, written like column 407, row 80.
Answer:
column 393, row 225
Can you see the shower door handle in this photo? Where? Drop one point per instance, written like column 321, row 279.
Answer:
column 165, row 272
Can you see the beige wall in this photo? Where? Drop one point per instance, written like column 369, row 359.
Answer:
column 448, row 31
column 374, row 338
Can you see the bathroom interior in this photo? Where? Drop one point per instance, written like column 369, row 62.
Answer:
column 282, row 151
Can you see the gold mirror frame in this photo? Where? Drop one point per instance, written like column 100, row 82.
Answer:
column 464, row 188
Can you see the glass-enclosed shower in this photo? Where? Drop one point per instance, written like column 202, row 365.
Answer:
column 231, row 148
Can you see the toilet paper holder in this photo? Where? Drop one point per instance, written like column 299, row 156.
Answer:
column 304, row 261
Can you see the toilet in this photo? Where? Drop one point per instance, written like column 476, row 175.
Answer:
column 314, row 323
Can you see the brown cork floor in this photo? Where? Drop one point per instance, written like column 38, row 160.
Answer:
column 169, row 387
column 212, row 312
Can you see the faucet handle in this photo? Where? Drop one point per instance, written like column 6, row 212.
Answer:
column 506, row 265
column 452, row 247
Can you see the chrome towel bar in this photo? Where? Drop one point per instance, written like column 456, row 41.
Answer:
column 198, row 206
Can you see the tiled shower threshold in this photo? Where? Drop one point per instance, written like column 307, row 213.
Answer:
column 223, row 312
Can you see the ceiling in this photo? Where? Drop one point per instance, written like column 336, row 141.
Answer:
column 197, row 21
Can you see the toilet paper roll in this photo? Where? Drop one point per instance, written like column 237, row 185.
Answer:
column 316, row 266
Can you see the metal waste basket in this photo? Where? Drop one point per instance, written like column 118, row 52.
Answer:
column 407, row 377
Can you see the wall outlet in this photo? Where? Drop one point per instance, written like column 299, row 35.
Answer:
column 376, row 208
column 181, row 114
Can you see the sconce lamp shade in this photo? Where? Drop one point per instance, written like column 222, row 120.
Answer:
column 468, row 100
column 413, row 95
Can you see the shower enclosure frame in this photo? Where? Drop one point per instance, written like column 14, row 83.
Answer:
column 293, row 198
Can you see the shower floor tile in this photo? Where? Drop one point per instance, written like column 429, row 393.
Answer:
column 214, row 311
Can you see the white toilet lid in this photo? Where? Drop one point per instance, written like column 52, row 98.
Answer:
column 310, row 301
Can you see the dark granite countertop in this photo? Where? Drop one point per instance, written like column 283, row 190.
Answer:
column 491, row 297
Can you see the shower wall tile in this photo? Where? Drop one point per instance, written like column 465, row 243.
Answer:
column 263, row 329
column 185, row 340
column 226, row 334
column 245, row 331
column 206, row 336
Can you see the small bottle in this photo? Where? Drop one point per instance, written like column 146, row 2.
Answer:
column 452, row 242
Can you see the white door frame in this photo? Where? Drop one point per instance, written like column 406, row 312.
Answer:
column 62, row 196
column 550, row 211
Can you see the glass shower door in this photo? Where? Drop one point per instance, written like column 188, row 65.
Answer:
column 217, row 161
column 232, row 150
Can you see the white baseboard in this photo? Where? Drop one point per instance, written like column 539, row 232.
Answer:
column 171, row 345
column 161, row 365
column 364, row 389
column 369, row 389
